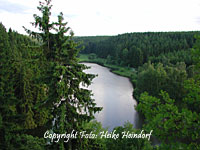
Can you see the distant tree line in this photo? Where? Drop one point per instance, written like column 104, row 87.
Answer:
column 135, row 49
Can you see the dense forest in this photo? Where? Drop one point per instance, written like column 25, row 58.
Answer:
column 135, row 49
column 164, row 69
column 40, row 92
column 39, row 86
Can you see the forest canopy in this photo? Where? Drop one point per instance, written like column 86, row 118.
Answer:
column 40, row 92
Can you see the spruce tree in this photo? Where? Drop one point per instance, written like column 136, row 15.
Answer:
column 71, row 105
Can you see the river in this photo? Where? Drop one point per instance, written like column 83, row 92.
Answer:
column 114, row 94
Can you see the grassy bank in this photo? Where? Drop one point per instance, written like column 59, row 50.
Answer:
column 119, row 70
column 85, row 58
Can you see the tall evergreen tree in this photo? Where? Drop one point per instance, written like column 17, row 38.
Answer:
column 71, row 104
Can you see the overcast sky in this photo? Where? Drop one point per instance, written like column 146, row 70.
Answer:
column 108, row 17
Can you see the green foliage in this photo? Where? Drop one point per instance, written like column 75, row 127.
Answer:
column 173, row 57
column 40, row 82
column 127, row 143
column 70, row 104
column 135, row 49
column 20, row 90
column 196, row 51
column 111, row 143
column 175, row 124
column 136, row 57
column 177, row 146
column 26, row 142
column 92, row 56
column 167, row 121
column 93, row 127
column 152, row 78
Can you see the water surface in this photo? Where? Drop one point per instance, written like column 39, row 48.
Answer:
column 114, row 94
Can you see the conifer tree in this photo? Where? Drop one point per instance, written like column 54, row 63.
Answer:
column 71, row 104
column 6, row 88
column 20, row 91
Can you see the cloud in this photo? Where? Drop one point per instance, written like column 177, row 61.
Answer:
column 13, row 7
column 198, row 20
column 103, row 17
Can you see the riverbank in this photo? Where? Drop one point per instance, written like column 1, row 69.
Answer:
column 114, row 94
column 119, row 70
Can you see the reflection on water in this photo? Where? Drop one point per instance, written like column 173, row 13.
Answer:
column 114, row 94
